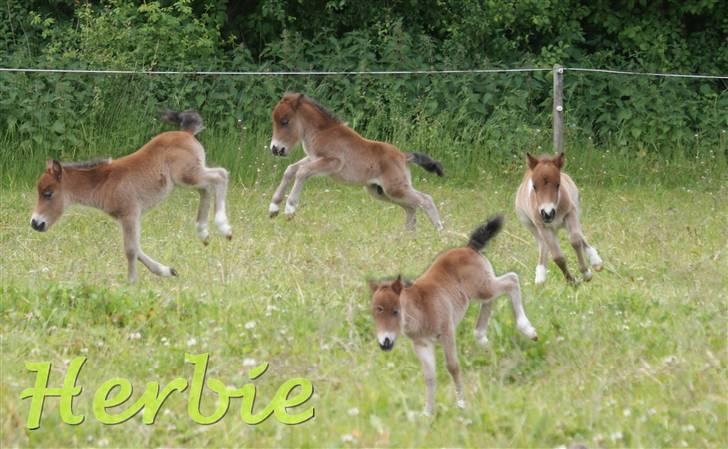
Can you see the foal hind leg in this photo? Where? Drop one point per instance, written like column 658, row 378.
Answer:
column 409, row 197
column 481, row 326
column 377, row 192
column 218, row 178
column 510, row 285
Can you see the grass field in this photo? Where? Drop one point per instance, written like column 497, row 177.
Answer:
column 637, row 357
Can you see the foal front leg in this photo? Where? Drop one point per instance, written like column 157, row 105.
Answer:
column 132, row 228
column 453, row 366
column 425, row 351
column 576, row 237
column 288, row 176
column 313, row 167
column 552, row 242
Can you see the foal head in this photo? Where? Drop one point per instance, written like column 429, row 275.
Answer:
column 545, row 182
column 386, row 310
column 291, row 116
column 51, row 201
column 287, row 126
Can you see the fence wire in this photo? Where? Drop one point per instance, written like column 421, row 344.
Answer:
column 355, row 72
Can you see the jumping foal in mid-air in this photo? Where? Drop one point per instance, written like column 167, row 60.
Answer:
column 333, row 149
column 126, row 187
column 546, row 201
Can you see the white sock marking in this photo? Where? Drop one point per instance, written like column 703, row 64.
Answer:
column 594, row 258
column 540, row 274
column 290, row 210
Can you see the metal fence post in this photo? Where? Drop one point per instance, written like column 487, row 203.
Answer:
column 558, row 113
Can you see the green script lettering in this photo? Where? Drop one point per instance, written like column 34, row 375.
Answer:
column 40, row 391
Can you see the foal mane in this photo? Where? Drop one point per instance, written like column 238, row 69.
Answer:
column 86, row 165
column 322, row 110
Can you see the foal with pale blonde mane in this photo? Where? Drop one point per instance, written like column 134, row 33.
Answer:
column 546, row 201
column 126, row 187
column 333, row 149
column 430, row 309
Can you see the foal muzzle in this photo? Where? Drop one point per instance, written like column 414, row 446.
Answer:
column 278, row 150
column 387, row 344
column 549, row 216
column 38, row 225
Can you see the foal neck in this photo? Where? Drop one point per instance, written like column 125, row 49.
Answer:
column 82, row 185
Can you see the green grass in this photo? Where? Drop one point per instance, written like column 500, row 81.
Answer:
column 637, row 357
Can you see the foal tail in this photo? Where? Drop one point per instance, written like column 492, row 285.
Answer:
column 189, row 121
column 485, row 232
column 426, row 162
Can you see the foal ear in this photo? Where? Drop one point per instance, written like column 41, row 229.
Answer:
column 54, row 168
column 559, row 161
column 532, row 161
column 373, row 285
column 298, row 101
column 397, row 285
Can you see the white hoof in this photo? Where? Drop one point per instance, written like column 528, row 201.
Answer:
column 527, row 329
column 587, row 275
column 223, row 226
column 460, row 404
column 426, row 413
column 203, row 233
column 290, row 210
column 594, row 259
column 481, row 338
column 273, row 209
column 540, row 274
column 168, row 272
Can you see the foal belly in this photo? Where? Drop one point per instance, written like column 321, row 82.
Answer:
column 156, row 192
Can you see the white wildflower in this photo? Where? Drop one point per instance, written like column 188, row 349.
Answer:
column 249, row 362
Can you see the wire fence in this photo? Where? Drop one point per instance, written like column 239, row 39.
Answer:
column 354, row 72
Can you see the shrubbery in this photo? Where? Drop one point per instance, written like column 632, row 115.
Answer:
column 660, row 115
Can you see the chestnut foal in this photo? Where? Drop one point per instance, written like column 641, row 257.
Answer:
column 546, row 201
column 126, row 187
column 333, row 149
column 431, row 308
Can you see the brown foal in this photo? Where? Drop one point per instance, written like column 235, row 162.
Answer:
column 126, row 187
column 431, row 308
column 546, row 201
column 333, row 149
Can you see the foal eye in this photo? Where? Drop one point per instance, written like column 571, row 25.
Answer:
column 380, row 309
column 395, row 312
column 47, row 194
column 284, row 122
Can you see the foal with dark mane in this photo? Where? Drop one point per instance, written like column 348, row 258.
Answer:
column 333, row 149
column 126, row 187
